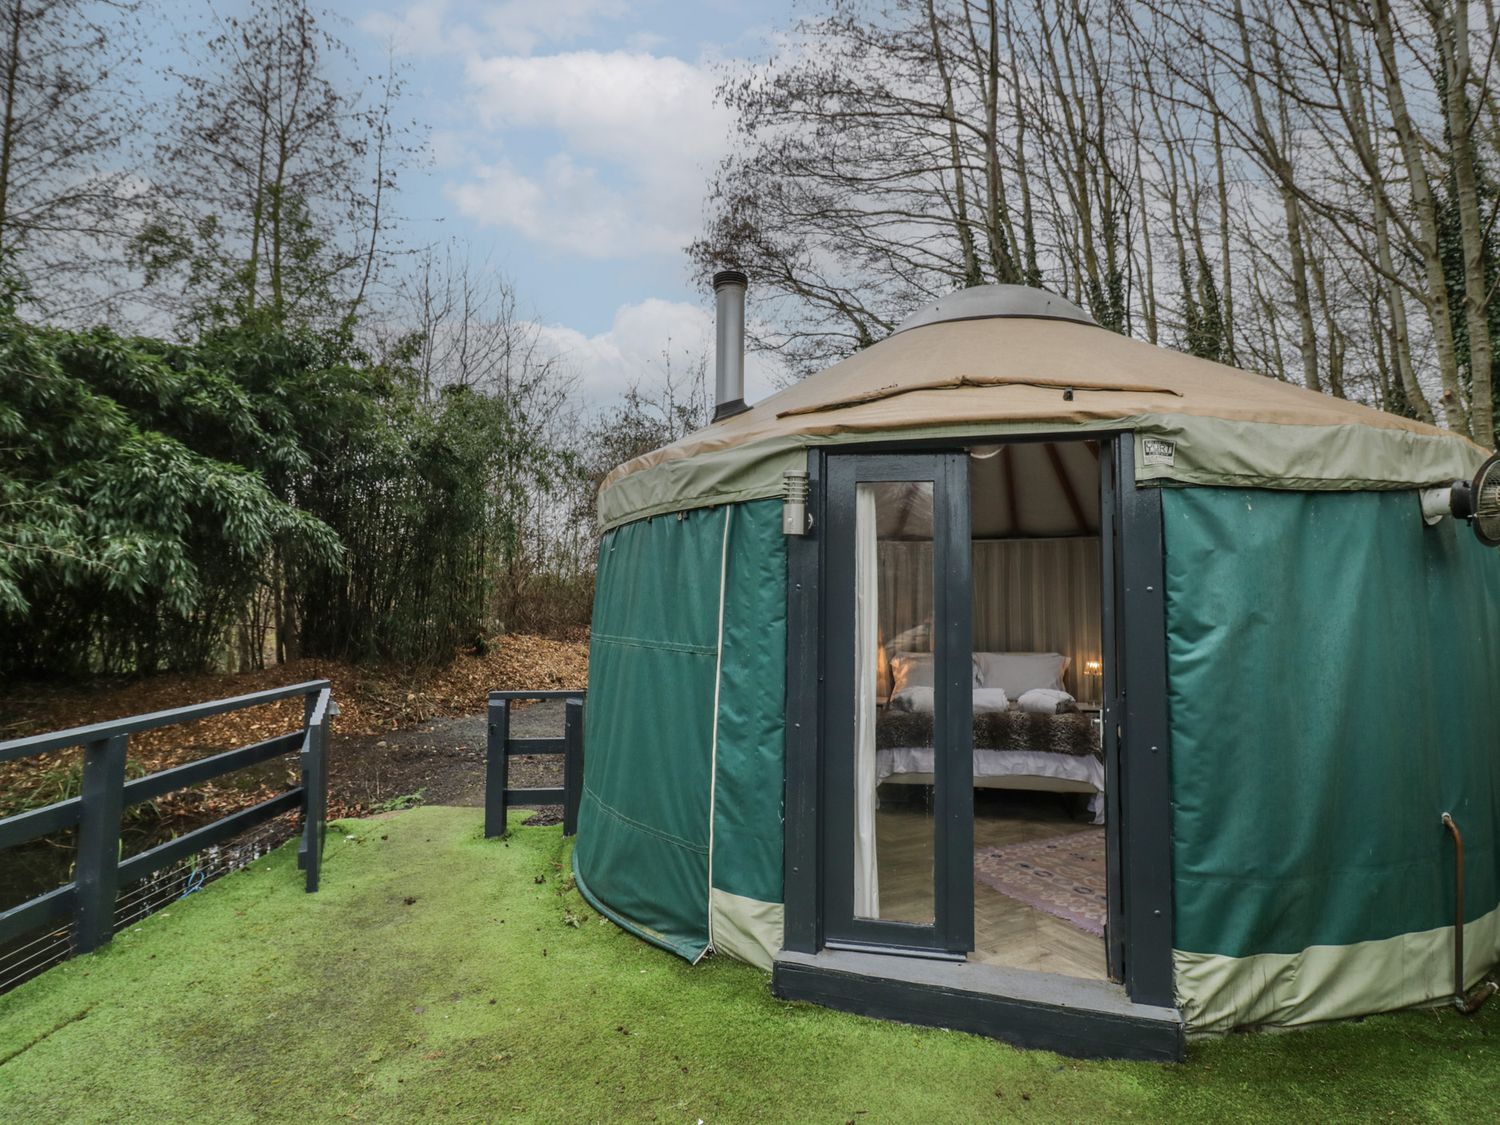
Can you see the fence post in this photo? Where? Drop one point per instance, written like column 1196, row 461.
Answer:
column 98, row 871
column 496, row 768
column 328, row 716
column 314, row 799
column 572, row 764
column 309, row 705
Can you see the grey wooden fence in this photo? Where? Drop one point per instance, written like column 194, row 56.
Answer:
column 98, row 811
column 500, row 747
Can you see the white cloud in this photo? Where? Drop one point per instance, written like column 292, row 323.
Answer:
column 637, row 344
column 436, row 27
column 621, row 104
column 639, row 135
column 565, row 205
column 521, row 25
column 423, row 28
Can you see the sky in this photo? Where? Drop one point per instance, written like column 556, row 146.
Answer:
column 571, row 144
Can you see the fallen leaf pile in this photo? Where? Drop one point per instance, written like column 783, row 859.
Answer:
column 371, row 699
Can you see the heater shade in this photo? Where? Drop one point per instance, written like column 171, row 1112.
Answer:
column 1484, row 502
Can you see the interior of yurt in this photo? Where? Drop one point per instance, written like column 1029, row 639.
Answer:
column 1022, row 678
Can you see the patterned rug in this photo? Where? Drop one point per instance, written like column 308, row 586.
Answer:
column 1063, row 875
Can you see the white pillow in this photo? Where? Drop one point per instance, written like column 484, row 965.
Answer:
column 1019, row 672
column 920, row 700
column 1044, row 701
column 911, row 670
column 915, row 669
column 917, row 700
column 990, row 699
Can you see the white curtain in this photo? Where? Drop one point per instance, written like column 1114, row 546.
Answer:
column 866, row 645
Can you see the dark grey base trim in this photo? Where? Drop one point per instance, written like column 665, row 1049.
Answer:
column 1082, row 1018
column 893, row 951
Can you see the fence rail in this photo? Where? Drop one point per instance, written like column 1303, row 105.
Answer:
column 500, row 747
column 98, row 811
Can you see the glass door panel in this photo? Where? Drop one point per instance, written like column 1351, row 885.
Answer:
column 898, row 821
column 894, row 873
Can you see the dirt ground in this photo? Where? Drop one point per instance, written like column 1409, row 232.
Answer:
column 440, row 762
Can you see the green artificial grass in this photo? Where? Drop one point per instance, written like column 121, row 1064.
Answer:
column 438, row 976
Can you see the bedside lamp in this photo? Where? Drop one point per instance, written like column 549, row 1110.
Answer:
column 1093, row 671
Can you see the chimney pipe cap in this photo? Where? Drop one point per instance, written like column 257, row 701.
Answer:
column 730, row 277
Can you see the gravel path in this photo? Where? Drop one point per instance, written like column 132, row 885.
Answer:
column 443, row 759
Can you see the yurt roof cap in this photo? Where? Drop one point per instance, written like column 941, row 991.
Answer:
column 982, row 302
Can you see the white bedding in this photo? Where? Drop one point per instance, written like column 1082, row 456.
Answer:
column 922, row 699
column 999, row 766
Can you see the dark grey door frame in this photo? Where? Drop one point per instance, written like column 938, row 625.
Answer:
column 1110, row 716
column 952, row 930
column 802, row 885
column 1145, row 749
column 1137, row 732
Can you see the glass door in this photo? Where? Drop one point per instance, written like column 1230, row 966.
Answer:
column 898, row 765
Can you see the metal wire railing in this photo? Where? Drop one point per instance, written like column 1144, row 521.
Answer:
column 36, row 953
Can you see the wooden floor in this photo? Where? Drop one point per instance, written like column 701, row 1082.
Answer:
column 1006, row 931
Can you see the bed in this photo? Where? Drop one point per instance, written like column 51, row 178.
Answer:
column 1014, row 748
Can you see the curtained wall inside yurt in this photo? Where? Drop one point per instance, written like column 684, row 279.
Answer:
column 1029, row 595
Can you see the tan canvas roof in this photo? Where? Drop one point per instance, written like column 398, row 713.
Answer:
column 1005, row 373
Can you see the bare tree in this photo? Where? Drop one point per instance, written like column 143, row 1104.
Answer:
column 466, row 328
column 65, row 124
column 879, row 168
column 1451, row 35
column 660, row 406
column 458, row 328
column 278, row 203
column 1311, row 188
column 1362, row 157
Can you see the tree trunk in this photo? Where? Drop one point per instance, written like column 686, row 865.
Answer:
column 8, row 136
column 1226, row 284
column 1396, row 305
column 257, row 216
column 1000, row 256
column 1031, row 272
column 1148, row 262
column 1331, row 332
column 1451, row 23
column 1359, row 84
column 972, row 276
column 1281, row 170
column 1435, row 295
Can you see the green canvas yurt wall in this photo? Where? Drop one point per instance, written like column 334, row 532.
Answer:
column 680, row 826
column 1333, row 666
column 1332, row 661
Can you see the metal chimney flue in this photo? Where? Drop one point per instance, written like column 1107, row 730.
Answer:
column 729, row 341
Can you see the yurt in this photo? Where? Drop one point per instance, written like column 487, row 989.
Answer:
column 1019, row 677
